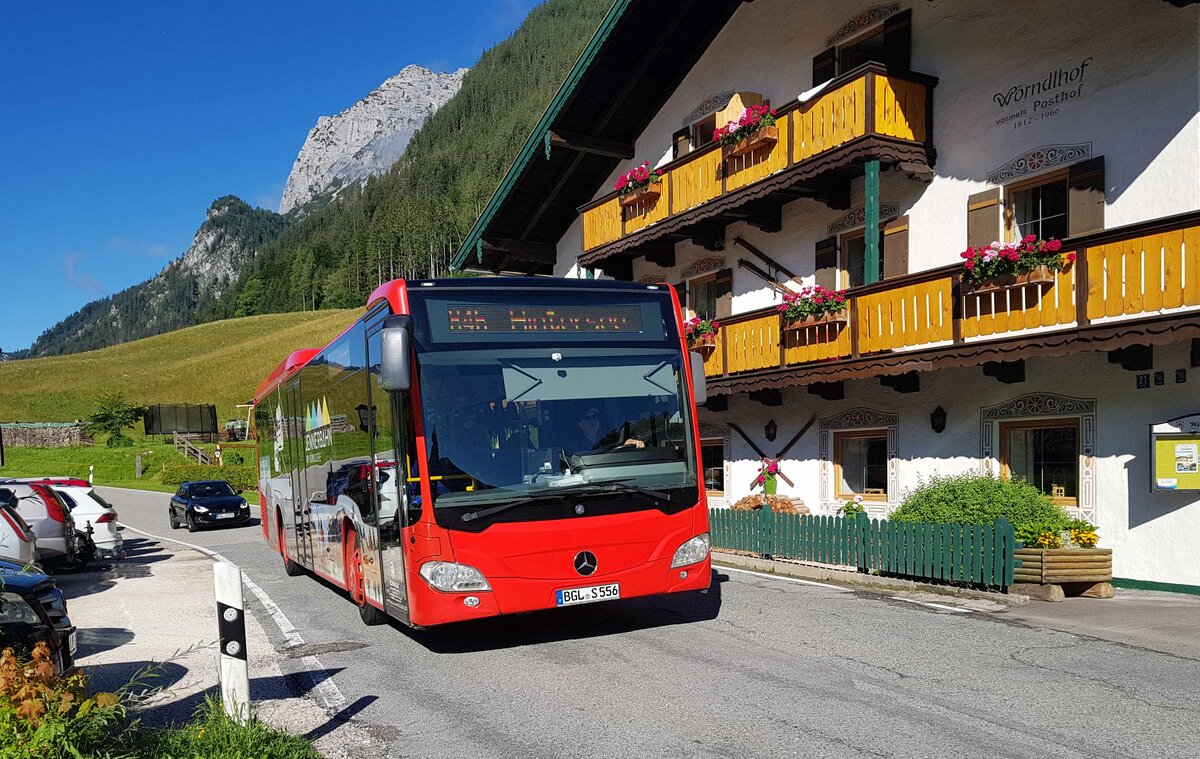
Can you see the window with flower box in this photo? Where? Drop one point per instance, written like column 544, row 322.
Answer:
column 854, row 253
column 711, row 297
column 1037, row 207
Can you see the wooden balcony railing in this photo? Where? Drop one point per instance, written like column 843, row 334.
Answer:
column 868, row 102
column 1120, row 275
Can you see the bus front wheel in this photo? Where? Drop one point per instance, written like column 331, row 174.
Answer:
column 355, row 585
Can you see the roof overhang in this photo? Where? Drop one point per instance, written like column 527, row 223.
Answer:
column 635, row 61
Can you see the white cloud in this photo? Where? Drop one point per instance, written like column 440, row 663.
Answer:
column 79, row 279
column 118, row 244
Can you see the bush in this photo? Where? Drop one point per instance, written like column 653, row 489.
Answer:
column 47, row 715
column 240, row 476
column 975, row 499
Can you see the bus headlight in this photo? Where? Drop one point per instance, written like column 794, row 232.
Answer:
column 449, row 577
column 692, row 551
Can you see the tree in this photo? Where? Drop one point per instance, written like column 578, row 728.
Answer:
column 113, row 414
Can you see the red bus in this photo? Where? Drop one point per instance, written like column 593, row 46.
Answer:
column 475, row 447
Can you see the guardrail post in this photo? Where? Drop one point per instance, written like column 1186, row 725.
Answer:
column 231, row 624
column 91, row 474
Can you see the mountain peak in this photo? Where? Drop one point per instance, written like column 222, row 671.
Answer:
column 369, row 136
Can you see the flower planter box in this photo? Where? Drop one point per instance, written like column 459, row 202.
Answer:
column 764, row 137
column 799, row 323
column 1059, row 565
column 1039, row 276
column 648, row 193
column 705, row 345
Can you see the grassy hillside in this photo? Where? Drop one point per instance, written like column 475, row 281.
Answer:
column 219, row 363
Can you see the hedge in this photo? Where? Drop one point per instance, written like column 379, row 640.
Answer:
column 241, row 477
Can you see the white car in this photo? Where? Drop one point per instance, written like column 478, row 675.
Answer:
column 89, row 509
column 18, row 544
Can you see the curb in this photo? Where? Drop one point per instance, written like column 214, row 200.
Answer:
column 857, row 581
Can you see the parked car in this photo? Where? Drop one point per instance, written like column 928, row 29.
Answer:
column 206, row 503
column 50, row 518
column 33, row 609
column 94, row 516
column 18, row 544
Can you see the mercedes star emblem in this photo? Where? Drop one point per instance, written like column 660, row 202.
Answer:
column 585, row 563
column 579, row 508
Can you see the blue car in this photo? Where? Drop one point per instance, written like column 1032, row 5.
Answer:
column 207, row 503
column 33, row 609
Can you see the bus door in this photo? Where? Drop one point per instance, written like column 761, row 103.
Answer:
column 394, row 470
column 301, row 509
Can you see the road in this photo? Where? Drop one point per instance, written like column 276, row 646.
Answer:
column 756, row 667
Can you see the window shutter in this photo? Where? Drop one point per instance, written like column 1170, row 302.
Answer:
column 826, row 263
column 983, row 218
column 897, row 41
column 895, row 248
column 681, row 290
column 723, row 294
column 824, row 66
column 1085, row 197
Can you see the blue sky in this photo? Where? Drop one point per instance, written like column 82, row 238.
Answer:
column 120, row 122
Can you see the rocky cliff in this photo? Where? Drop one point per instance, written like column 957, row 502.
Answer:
column 369, row 136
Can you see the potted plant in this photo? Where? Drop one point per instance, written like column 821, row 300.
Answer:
column 1064, row 554
column 811, row 306
column 755, row 128
column 768, row 478
column 638, row 184
column 701, row 335
column 1029, row 261
column 852, row 508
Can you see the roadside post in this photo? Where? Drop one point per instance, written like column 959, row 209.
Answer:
column 91, row 474
column 231, row 623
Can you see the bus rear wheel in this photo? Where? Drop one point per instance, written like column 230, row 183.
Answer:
column 353, row 572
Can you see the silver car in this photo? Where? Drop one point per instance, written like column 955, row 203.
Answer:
column 18, row 544
column 48, row 515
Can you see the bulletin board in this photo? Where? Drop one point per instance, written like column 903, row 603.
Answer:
column 1175, row 455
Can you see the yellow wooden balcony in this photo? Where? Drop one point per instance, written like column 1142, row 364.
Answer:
column 866, row 113
column 1136, row 283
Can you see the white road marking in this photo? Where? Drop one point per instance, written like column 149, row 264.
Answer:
column 932, row 605
column 784, row 578
column 325, row 691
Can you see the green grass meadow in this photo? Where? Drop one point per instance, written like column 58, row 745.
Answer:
column 219, row 363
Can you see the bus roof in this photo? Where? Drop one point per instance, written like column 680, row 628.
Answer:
column 286, row 368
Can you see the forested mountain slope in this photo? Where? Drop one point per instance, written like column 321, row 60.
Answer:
column 410, row 221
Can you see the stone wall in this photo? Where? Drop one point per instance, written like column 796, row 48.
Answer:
column 44, row 435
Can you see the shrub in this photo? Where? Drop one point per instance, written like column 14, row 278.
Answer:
column 240, row 476
column 975, row 499
column 47, row 715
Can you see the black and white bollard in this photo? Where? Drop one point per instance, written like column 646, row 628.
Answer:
column 231, row 621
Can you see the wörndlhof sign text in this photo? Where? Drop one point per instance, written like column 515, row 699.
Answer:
column 1028, row 102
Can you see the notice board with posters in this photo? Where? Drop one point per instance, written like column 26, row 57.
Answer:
column 1175, row 455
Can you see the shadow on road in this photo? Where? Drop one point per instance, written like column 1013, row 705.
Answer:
column 261, row 689
column 341, row 718
column 571, row 623
column 141, row 555
column 95, row 640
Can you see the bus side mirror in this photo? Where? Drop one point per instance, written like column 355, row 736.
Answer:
column 699, row 388
column 395, row 359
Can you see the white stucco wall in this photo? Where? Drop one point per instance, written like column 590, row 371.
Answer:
column 1154, row 534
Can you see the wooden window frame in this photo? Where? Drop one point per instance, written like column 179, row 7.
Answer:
column 836, row 455
column 1045, row 424
column 711, row 442
column 703, row 279
column 844, row 253
column 1050, row 177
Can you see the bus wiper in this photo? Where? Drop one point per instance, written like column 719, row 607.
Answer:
column 471, row 516
column 620, row 486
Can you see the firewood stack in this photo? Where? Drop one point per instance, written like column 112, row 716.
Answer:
column 778, row 504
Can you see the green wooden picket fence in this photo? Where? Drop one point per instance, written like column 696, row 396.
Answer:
column 966, row 554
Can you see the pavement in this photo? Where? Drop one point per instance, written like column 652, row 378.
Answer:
column 759, row 665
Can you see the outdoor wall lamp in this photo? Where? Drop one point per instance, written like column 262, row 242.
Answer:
column 771, row 430
column 937, row 419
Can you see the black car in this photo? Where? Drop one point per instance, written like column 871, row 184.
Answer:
column 33, row 609
column 206, row 503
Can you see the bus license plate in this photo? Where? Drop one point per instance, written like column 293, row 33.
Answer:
column 572, row 596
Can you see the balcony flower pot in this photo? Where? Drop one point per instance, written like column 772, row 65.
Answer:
column 641, row 194
column 705, row 345
column 1040, row 275
column 795, row 324
column 765, row 137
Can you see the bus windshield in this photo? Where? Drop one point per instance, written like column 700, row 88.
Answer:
column 547, row 421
